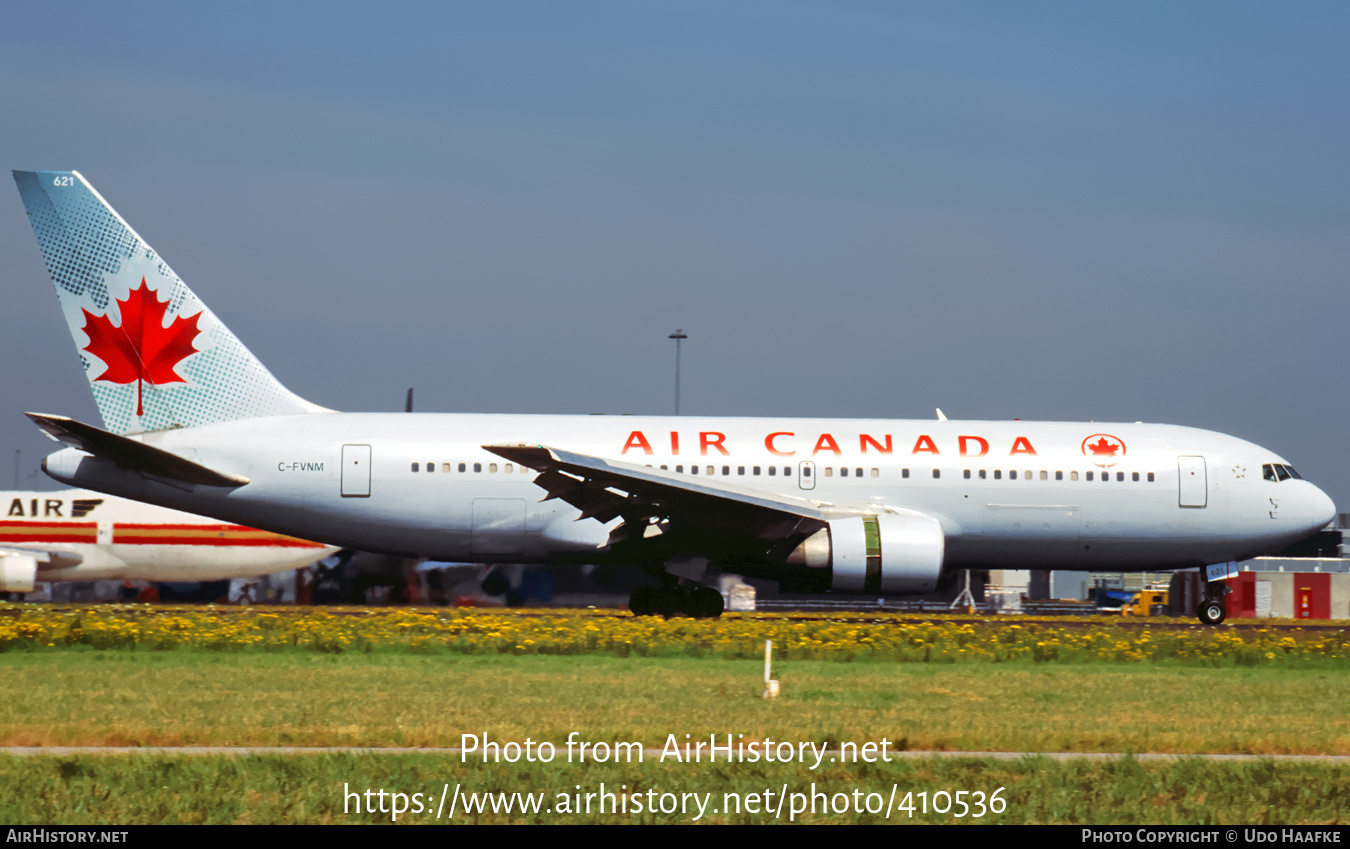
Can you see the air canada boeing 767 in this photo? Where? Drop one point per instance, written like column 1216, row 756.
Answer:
column 193, row 421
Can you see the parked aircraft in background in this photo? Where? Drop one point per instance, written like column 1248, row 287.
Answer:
column 78, row 535
column 192, row 420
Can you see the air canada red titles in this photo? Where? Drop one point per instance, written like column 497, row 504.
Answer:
column 785, row 443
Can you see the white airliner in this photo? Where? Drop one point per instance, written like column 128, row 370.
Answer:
column 193, row 421
column 77, row 535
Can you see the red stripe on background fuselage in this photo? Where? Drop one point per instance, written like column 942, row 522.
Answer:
column 67, row 532
column 86, row 533
column 213, row 535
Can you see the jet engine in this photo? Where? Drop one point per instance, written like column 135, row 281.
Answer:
column 888, row 553
column 17, row 572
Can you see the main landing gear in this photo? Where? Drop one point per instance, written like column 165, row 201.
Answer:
column 671, row 599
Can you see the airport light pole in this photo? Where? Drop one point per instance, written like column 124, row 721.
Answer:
column 678, row 336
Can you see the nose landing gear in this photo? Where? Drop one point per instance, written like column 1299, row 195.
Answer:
column 1212, row 610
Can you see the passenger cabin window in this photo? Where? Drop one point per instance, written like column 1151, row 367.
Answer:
column 1150, row 477
column 904, row 473
column 415, row 468
column 937, row 473
column 478, row 467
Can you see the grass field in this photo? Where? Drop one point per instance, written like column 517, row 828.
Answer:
column 207, row 698
column 393, row 691
column 101, row 789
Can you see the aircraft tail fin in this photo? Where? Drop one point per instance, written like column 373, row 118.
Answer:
column 154, row 355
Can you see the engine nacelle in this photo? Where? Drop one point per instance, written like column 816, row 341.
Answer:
column 888, row 553
column 17, row 573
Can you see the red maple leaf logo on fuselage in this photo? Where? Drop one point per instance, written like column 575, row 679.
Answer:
column 1104, row 449
column 142, row 348
column 1101, row 446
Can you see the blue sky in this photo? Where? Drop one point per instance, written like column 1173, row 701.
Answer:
column 1106, row 211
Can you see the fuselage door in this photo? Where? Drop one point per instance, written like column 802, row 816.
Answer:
column 1193, row 485
column 806, row 474
column 355, row 471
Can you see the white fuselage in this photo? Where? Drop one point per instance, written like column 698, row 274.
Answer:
column 112, row 538
column 1008, row 494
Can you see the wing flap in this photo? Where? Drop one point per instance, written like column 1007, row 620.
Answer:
column 656, row 502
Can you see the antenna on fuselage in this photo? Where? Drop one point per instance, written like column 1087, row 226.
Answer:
column 942, row 417
column 408, row 407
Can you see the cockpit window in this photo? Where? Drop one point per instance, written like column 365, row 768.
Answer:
column 1276, row 472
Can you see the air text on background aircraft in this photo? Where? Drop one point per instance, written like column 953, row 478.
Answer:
column 786, row 443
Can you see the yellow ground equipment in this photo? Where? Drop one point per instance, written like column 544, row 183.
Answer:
column 1150, row 601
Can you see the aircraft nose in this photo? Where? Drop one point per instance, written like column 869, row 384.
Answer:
column 1320, row 509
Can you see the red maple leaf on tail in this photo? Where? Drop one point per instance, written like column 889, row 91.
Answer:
column 142, row 349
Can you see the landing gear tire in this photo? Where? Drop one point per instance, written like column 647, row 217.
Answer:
column 700, row 602
column 705, row 603
column 1212, row 611
column 668, row 601
column 643, row 601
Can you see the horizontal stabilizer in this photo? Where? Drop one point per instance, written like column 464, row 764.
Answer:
column 130, row 453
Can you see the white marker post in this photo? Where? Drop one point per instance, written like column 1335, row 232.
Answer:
column 770, row 685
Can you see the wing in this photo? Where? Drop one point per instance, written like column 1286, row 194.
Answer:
column 20, row 564
column 665, row 512
column 45, row 556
